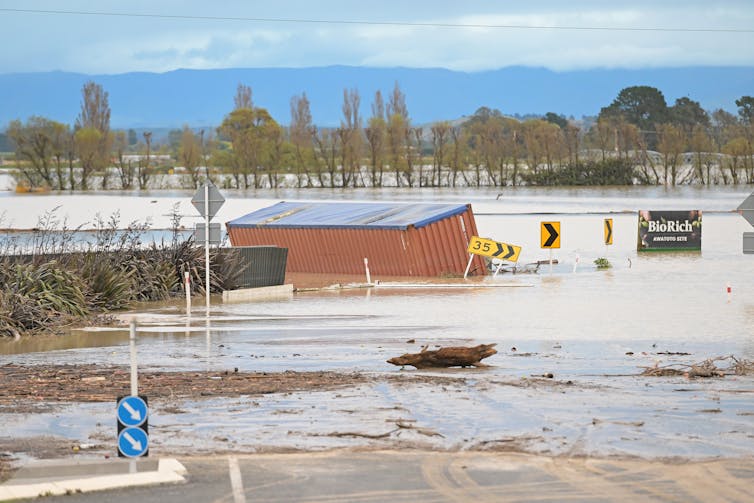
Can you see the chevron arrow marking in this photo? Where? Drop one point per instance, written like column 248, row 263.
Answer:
column 493, row 249
column 608, row 231
column 553, row 235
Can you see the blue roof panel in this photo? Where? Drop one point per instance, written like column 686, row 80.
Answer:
column 347, row 215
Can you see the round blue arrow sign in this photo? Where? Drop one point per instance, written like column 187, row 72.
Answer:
column 133, row 442
column 132, row 411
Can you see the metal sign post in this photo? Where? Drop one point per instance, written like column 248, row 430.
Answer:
column 132, row 343
column 549, row 236
column 493, row 249
column 132, row 413
column 208, row 201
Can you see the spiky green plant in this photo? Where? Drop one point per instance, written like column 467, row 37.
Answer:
column 602, row 263
column 109, row 286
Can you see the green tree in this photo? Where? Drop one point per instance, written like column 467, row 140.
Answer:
column 93, row 138
column 556, row 119
column 252, row 133
column 687, row 114
column 642, row 106
column 745, row 106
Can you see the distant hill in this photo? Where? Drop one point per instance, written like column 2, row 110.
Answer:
column 203, row 97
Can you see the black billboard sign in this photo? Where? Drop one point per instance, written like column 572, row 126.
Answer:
column 670, row 230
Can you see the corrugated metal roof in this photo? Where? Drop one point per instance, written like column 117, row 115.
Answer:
column 349, row 215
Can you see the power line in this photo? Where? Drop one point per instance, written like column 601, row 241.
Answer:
column 376, row 23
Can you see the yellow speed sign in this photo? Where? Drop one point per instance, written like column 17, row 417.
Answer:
column 493, row 249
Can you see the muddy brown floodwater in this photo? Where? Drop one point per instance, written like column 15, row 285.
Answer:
column 312, row 372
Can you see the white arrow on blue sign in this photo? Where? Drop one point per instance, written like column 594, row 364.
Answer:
column 133, row 442
column 132, row 411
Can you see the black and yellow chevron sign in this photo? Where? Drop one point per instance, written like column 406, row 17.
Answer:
column 549, row 234
column 608, row 231
column 493, row 249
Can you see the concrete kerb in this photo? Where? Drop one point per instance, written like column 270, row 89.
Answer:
column 53, row 478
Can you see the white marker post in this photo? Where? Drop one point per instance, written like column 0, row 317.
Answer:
column 468, row 266
column 497, row 269
column 132, row 342
column 206, row 244
column 366, row 266
column 187, row 282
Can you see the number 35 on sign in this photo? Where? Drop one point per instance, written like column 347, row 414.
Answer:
column 493, row 249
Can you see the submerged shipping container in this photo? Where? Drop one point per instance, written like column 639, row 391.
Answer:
column 398, row 239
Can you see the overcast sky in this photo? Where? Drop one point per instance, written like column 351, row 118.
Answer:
column 481, row 35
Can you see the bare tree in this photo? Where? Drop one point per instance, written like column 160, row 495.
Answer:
column 458, row 137
column 301, row 129
column 440, row 138
column 242, row 98
column 328, row 147
column 670, row 144
column 124, row 167
column 701, row 144
column 34, row 144
column 190, row 155
column 351, row 139
column 398, row 124
column 144, row 173
column 375, row 134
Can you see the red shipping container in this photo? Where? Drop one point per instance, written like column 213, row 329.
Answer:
column 398, row 239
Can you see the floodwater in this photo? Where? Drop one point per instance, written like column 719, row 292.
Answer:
column 594, row 330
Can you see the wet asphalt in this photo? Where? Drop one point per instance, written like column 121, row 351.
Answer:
column 394, row 476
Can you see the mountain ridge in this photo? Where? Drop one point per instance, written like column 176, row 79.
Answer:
column 201, row 98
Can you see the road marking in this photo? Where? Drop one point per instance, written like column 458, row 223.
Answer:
column 235, row 480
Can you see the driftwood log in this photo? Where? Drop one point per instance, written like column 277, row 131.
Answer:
column 446, row 357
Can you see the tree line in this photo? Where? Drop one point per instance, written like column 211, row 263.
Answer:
column 637, row 139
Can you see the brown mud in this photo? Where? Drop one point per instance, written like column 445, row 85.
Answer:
column 30, row 388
